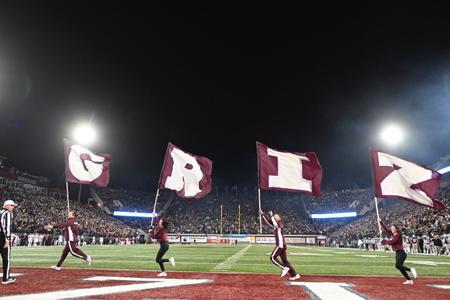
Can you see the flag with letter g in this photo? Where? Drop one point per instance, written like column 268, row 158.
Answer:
column 84, row 166
column 187, row 174
column 288, row 171
column 394, row 177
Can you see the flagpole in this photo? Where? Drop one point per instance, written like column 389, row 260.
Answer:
column 79, row 193
column 221, row 219
column 259, row 190
column 259, row 202
column 154, row 205
column 159, row 183
column 375, row 198
column 67, row 195
column 239, row 219
column 378, row 217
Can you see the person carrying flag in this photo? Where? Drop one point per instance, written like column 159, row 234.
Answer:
column 70, row 227
column 396, row 242
column 159, row 233
column 281, row 246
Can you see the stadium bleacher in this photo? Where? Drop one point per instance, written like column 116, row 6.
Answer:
column 38, row 204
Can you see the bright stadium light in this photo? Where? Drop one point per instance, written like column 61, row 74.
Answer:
column 444, row 170
column 84, row 134
column 134, row 214
column 392, row 134
column 334, row 215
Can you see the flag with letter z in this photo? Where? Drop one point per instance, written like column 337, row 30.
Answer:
column 288, row 171
column 394, row 177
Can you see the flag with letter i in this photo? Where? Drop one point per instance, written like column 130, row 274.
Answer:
column 288, row 171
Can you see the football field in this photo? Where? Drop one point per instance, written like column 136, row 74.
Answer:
column 235, row 258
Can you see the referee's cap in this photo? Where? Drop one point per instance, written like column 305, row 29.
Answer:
column 9, row 202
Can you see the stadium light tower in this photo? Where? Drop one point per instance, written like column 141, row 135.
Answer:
column 392, row 134
column 85, row 134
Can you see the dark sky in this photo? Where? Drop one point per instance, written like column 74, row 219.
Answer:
column 213, row 79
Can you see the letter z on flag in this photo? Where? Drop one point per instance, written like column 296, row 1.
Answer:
column 288, row 171
column 394, row 177
column 187, row 174
column 84, row 166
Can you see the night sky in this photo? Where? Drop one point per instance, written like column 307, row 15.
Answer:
column 213, row 79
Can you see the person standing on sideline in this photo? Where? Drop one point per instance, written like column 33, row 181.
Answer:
column 360, row 244
column 281, row 246
column 70, row 227
column 6, row 217
column 396, row 242
column 159, row 233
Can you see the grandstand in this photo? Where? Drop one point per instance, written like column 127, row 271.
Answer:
column 39, row 203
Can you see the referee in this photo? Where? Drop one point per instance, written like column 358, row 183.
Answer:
column 5, row 239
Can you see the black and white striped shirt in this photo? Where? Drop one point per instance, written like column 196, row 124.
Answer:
column 5, row 223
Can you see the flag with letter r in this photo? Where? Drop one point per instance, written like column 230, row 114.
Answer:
column 394, row 177
column 187, row 174
column 84, row 166
column 288, row 171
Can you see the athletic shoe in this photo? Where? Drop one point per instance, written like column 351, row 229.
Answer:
column 172, row 261
column 56, row 268
column 414, row 272
column 9, row 280
column 297, row 276
column 409, row 282
column 162, row 274
column 89, row 260
column 285, row 271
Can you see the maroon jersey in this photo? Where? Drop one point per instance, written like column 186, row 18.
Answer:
column 70, row 227
column 278, row 231
column 159, row 234
column 396, row 241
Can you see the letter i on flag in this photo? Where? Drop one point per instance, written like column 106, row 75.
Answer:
column 288, row 171
column 394, row 177
column 187, row 174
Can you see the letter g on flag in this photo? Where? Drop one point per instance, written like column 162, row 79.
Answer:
column 84, row 166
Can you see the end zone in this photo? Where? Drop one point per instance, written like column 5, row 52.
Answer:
column 47, row 284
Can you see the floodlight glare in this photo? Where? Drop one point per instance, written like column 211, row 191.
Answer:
column 84, row 134
column 334, row 215
column 392, row 135
column 134, row 214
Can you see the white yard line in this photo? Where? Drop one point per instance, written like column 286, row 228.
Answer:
column 149, row 284
column 230, row 261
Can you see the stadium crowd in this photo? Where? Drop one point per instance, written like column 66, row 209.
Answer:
column 204, row 215
column 421, row 227
column 37, row 208
column 125, row 200
column 424, row 229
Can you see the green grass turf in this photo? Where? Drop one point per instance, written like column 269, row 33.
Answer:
column 234, row 258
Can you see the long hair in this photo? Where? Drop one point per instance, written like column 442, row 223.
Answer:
column 399, row 230
column 281, row 218
column 165, row 224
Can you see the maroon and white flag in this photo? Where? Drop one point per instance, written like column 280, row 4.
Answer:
column 398, row 178
column 288, row 171
column 84, row 166
column 187, row 174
